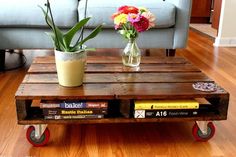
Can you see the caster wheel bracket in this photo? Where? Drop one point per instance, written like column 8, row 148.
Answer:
column 203, row 130
column 38, row 135
column 39, row 129
column 203, row 126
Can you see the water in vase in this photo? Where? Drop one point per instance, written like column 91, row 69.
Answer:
column 131, row 61
column 131, row 54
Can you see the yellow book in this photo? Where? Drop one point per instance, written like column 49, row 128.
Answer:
column 165, row 104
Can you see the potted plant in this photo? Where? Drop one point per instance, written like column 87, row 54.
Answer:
column 70, row 58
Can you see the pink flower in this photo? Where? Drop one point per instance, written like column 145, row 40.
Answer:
column 142, row 24
column 133, row 18
column 150, row 17
column 117, row 27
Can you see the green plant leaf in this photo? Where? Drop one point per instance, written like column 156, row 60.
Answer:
column 91, row 35
column 56, row 30
column 86, row 49
column 52, row 35
column 62, row 42
column 70, row 34
column 46, row 17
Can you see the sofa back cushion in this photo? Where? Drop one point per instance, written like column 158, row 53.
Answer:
column 26, row 13
column 101, row 11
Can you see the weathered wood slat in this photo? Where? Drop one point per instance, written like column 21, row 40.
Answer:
column 21, row 108
column 111, row 59
column 122, row 120
column 113, row 91
column 51, row 91
column 113, row 68
column 123, row 77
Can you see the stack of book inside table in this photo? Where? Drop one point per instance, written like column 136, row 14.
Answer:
column 74, row 109
column 169, row 108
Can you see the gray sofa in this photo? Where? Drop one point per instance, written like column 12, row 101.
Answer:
column 22, row 25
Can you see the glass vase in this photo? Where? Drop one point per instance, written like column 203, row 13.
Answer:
column 131, row 54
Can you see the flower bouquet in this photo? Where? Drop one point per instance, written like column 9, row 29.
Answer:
column 130, row 21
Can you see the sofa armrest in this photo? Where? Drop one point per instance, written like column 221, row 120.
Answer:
column 182, row 22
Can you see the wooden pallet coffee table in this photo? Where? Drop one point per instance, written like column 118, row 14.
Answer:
column 107, row 79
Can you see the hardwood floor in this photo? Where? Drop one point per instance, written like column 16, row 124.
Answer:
column 128, row 140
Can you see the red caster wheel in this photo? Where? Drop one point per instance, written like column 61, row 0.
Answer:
column 199, row 136
column 43, row 140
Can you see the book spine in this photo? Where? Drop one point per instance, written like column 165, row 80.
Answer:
column 75, row 105
column 59, row 111
column 49, row 105
column 96, row 104
column 165, row 106
column 165, row 113
column 93, row 116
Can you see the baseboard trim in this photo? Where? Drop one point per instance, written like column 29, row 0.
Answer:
column 225, row 42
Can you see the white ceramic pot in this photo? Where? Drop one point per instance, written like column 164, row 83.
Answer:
column 70, row 67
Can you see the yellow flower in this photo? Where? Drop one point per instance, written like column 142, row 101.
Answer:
column 120, row 19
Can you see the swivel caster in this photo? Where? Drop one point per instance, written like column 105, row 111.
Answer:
column 203, row 131
column 37, row 135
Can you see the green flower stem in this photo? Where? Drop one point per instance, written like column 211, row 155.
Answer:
column 125, row 28
column 130, row 32
column 131, row 51
column 53, row 24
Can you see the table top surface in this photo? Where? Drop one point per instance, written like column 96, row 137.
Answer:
column 106, row 78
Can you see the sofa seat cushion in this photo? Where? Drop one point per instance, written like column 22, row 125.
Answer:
column 26, row 13
column 101, row 11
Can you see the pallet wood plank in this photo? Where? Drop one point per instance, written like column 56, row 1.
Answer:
column 161, row 91
column 124, row 77
column 113, row 91
column 113, row 59
column 122, row 120
column 112, row 68
column 52, row 91
column 223, row 105
column 21, row 108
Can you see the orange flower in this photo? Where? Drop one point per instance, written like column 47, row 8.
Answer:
column 114, row 15
column 128, row 9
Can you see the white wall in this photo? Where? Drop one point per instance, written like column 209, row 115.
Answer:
column 227, row 27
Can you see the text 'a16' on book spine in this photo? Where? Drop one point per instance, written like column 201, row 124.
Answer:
column 164, row 113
